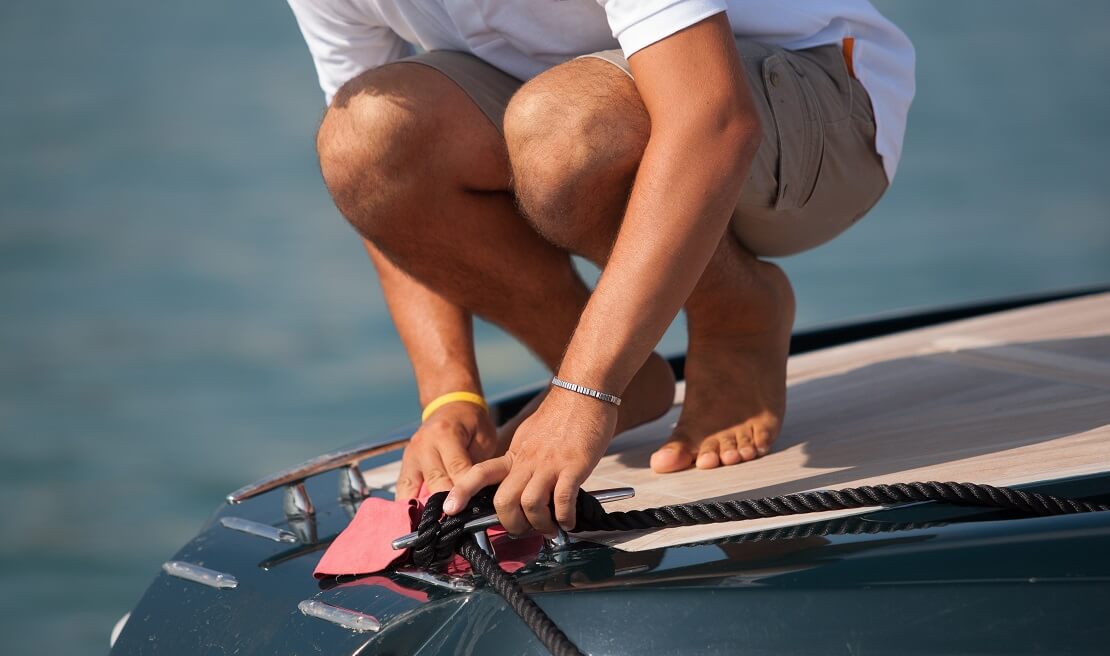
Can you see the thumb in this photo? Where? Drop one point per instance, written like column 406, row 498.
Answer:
column 481, row 475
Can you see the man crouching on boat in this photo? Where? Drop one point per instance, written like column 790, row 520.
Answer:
column 672, row 142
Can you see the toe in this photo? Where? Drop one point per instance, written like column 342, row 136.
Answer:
column 745, row 444
column 762, row 440
column 673, row 456
column 709, row 454
column 726, row 447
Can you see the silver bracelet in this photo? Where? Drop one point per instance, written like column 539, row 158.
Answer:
column 600, row 396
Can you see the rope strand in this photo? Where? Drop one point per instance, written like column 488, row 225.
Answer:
column 537, row 620
column 593, row 517
column 440, row 537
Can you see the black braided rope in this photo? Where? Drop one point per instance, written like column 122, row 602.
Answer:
column 537, row 620
column 592, row 517
column 439, row 537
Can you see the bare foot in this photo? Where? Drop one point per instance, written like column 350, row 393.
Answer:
column 735, row 370
column 649, row 396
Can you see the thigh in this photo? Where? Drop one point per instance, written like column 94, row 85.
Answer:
column 420, row 115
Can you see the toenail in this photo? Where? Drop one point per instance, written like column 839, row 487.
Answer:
column 762, row 450
column 731, row 454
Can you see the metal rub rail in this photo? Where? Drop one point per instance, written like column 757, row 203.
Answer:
column 352, row 485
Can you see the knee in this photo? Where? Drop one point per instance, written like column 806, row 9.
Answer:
column 368, row 144
column 571, row 153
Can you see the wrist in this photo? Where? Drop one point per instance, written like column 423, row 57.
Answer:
column 446, row 382
column 598, row 373
column 611, row 399
column 600, row 359
column 467, row 402
column 575, row 404
column 580, row 417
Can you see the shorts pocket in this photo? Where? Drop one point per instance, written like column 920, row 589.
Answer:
column 798, row 129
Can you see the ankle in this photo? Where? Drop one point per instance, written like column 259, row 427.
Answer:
column 760, row 301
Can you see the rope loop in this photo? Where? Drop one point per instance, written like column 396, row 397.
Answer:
column 439, row 537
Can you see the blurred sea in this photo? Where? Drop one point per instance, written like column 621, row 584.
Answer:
column 182, row 310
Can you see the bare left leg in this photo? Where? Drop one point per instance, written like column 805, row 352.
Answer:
column 422, row 174
column 576, row 135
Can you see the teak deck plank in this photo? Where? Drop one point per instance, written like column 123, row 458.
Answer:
column 1016, row 397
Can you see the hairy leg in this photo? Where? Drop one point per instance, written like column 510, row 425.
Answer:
column 575, row 136
column 739, row 320
column 423, row 175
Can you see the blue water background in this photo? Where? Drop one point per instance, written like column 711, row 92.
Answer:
column 182, row 310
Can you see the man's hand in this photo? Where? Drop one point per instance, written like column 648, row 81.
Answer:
column 551, row 455
column 446, row 446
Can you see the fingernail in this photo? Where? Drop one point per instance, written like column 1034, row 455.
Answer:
column 450, row 506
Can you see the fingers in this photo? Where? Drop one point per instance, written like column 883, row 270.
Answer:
column 455, row 459
column 435, row 474
column 426, row 467
column 566, row 496
column 409, row 479
column 443, row 464
column 535, row 501
column 507, row 504
column 524, row 504
column 523, row 499
column 479, row 476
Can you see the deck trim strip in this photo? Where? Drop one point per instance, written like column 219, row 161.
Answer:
column 344, row 617
column 198, row 574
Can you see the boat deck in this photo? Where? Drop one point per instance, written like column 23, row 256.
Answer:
column 1016, row 397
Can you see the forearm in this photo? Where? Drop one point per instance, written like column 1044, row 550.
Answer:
column 437, row 334
column 686, row 188
column 704, row 134
column 663, row 247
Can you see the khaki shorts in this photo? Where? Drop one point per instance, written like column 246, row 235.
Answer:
column 816, row 172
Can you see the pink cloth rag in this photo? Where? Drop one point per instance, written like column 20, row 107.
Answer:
column 365, row 546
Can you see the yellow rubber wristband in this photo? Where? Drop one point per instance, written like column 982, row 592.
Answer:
column 452, row 397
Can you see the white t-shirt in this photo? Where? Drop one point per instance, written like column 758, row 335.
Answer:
column 526, row 37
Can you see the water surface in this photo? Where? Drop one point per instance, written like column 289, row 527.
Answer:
column 182, row 310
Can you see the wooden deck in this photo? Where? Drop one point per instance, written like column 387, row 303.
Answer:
column 1015, row 397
